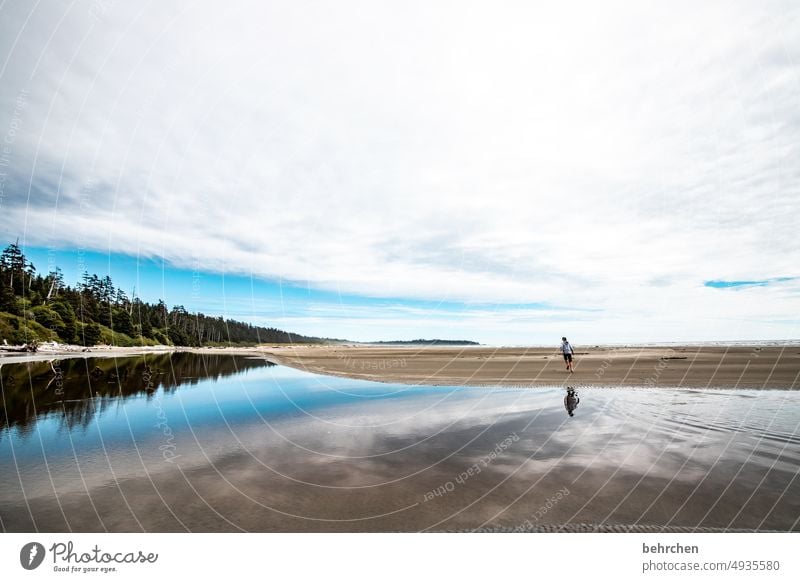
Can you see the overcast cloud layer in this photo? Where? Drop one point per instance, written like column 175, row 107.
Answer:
column 590, row 156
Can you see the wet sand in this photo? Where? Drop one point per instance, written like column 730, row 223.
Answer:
column 179, row 442
column 753, row 367
column 446, row 459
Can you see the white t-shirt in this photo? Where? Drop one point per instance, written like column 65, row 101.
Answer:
column 566, row 348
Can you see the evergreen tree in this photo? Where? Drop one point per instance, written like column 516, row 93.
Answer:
column 122, row 322
column 55, row 281
column 8, row 300
column 13, row 265
column 67, row 315
column 90, row 334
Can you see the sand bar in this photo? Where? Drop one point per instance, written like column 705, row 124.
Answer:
column 754, row 367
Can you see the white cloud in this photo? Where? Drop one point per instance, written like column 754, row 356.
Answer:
column 587, row 155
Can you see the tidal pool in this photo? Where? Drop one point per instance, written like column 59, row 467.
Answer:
column 186, row 442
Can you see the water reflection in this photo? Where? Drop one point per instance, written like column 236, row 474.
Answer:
column 571, row 401
column 76, row 389
column 267, row 448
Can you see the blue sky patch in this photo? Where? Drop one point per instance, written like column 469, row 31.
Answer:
column 718, row 284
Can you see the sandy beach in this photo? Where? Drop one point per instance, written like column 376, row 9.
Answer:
column 753, row 367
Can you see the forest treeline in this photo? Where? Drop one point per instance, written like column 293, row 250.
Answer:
column 38, row 307
column 425, row 342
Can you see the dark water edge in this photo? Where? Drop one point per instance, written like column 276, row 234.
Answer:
column 73, row 389
column 187, row 442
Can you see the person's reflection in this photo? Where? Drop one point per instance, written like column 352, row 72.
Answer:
column 571, row 401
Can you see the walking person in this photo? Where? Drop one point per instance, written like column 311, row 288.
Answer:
column 567, row 352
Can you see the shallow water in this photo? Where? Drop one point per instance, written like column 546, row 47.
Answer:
column 223, row 443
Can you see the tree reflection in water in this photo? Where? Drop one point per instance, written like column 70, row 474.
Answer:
column 77, row 388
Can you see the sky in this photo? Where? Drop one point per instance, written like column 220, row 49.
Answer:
column 505, row 172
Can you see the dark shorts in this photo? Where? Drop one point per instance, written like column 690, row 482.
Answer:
column 567, row 357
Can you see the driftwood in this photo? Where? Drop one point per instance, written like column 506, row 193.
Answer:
column 26, row 348
column 14, row 348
